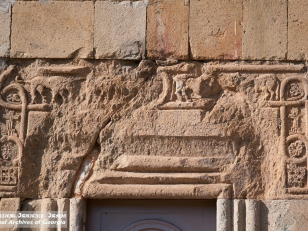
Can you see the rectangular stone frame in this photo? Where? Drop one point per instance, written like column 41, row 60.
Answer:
column 221, row 192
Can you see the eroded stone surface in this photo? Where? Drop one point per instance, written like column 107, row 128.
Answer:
column 9, row 204
column 51, row 93
column 265, row 30
column 167, row 29
column 297, row 30
column 134, row 130
column 223, row 214
column 44, row 31
column 5, row 5
column 5, row 30
column 77, row 206
column 259, row 214
column 162, row 129
column 87, row 127
column 120, row 30
column 2, row 64
column 284, row 215
column 215, row 29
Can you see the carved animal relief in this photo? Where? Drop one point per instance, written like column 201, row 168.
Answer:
column 117, row 126
column 15, row 108
column 293, row 114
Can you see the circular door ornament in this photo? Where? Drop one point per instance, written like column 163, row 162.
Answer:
column 151, row 225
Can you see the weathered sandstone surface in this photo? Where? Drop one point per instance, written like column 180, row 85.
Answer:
column 297, row 27
column 265, row 29
column 167, row 29
column 120, row 30
column 215, row 29
column 156, row 99
column 85, row 128
column 5, row 31
column 43, row 31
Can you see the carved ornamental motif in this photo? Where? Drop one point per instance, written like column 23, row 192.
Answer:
column 186, row 89
column 293, row 113
column 15, row 110
column 194, row 127
column 151, row 225
column 296, row 175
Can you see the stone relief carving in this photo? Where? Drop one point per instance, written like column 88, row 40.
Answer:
column 297, row 149
column 15, row 113
column 12, row 133
column 196, row 106
column 296, row 175
column 267, row 86
column 184, row 87
column 295, row 91
column 295, row 116
column 49, row 112
column 112, row 124
column 293, row 112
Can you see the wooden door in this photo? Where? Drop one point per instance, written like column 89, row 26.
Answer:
column 151, row 215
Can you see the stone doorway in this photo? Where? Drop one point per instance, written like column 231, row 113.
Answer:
column 148, row 215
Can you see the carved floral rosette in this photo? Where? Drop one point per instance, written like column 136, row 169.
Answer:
column 182, row 90
column 10, row 154
column 293, row 106
column 296, row 165
column 293, row 112
column 13, row 102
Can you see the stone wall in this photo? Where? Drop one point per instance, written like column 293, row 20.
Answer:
column 174, row 29
column 156, row 99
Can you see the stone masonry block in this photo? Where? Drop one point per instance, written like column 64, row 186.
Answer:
column 5, row 30
column 215, row 29
column 167, row 29
column 10, row 204
column 284, row 215
column 120, row 30
column 298, row 30
column 264, row 29
column 52, row 30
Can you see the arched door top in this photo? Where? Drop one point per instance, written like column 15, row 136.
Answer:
column 148, row 225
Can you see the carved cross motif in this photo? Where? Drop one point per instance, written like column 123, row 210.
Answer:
column 294, row 143
column 10, row 117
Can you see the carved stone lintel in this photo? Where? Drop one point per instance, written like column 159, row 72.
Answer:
column 179, row 191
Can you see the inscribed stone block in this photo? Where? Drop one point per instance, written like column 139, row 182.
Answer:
column 52, row 30
column 265, row 29
column 215, row 29
column 298, row 30
column 167, row 29
column 5, row 30
column 120, row 30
